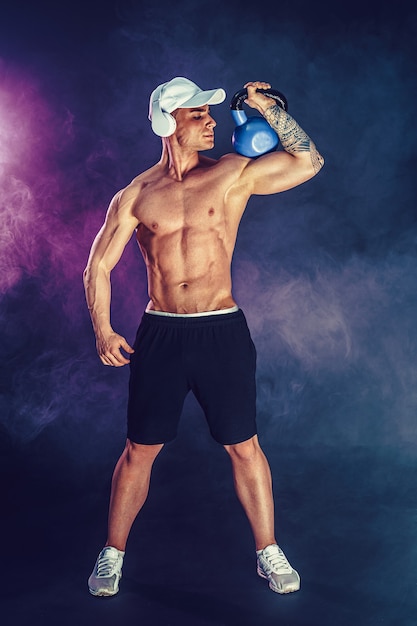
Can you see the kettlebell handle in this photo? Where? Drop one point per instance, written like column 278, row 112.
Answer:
column 240, row 96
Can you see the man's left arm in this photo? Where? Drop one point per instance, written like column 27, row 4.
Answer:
column 296, row 163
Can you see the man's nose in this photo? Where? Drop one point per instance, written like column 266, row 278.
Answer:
column 211, row 123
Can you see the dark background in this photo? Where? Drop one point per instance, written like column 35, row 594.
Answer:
column 326, row 274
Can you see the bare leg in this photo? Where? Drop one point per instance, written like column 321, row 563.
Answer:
column 130, row 486
column 253, row 484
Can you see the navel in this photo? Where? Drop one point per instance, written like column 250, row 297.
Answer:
column 154, row 225
column 211, row 211
column 183, row 285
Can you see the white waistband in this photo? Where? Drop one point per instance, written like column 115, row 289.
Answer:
column 232, row 309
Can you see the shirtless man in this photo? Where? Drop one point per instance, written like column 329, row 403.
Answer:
column 186, row 211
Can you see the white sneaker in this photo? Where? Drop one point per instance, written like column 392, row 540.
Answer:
column 104, row 579
column 273, row 565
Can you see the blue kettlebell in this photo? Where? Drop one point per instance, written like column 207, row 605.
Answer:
column 253, row 136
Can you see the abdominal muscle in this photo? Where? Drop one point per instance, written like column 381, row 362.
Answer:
column 188, row 270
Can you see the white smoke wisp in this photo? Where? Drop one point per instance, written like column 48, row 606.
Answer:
column 18, row 236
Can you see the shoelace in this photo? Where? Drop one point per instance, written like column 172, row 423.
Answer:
column 106, row 564
column 278, row 562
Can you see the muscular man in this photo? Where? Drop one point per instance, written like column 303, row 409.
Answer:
column 186, row 211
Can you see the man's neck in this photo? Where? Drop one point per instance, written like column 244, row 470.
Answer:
column 178, row 161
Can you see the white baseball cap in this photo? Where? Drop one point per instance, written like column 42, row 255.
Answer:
column 178, row 93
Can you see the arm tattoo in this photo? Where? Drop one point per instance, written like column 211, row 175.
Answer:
column 292, row 137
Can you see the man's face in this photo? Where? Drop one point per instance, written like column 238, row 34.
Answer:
column 195, row 128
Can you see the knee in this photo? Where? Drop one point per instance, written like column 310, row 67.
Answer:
column 246, row 451
column 139, row 453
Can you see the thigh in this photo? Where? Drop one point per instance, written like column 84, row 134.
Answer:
column 224, row 382
column 157, row 385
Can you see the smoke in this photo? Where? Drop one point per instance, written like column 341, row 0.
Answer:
column 50, row 208
column 345, row 335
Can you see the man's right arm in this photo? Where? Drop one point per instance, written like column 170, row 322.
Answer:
column 283, row 169
column 105, row 253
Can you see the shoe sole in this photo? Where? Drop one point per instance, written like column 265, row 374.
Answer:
column 105, row 593
column 295, row 587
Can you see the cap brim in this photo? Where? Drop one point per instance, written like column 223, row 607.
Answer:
column 212, row 96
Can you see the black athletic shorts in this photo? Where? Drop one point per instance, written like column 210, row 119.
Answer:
column 212, row 355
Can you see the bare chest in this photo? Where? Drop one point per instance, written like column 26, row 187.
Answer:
column 167, row 208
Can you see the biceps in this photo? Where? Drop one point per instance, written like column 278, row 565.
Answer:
column 279, row 171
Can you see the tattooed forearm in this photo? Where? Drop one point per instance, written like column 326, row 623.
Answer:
column 292, row 137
